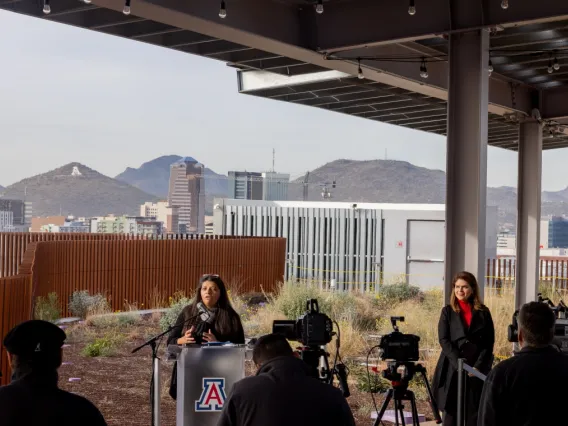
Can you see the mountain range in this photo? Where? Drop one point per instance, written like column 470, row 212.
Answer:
column 386, row 181
column 153, row 177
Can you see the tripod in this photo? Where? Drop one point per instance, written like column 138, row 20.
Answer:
column 400, row 393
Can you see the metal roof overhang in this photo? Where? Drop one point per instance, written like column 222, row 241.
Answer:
column 288, row 42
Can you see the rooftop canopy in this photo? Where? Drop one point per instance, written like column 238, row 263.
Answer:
column 287, row 50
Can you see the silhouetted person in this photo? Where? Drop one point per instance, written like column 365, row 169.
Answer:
column 33, row 397
column 283, row 392
column 528, row 389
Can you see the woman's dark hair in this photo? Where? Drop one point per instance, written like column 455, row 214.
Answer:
column 474, row 299
column 226, row 318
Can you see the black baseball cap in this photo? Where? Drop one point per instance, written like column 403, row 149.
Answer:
column 34, row 339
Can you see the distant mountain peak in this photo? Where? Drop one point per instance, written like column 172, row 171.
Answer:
column 79, row 190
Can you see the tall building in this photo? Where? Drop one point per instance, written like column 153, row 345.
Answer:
column 21, row 210
column 245, row 185
column 275, row 186
column 6, row 221
column 21, row 213
column 558, row 232
column 162, row 212
column 187, row 193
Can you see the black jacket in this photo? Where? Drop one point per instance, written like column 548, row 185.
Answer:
column 36, row 400
column 184, row 322
column 283, row 394
column 528, row 389
column 474, row 343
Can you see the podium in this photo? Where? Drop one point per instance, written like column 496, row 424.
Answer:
column 205, row 378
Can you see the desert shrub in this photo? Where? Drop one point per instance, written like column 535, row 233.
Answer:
column 399, row 292
column 113, row 320
column 102, row 346
column 369, row 382
column 82, row 303
column 177, row 303
column 47, row 308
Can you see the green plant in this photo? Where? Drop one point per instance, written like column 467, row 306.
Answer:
column 399, row 292
column 176, row 306
column 47, row 308
column 81, row 303
column 102, row 346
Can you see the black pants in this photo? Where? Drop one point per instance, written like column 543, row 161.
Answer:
column 451, row 420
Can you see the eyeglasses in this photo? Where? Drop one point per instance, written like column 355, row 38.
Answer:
column 210, row 276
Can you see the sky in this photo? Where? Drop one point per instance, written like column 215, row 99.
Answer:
column 69, row 94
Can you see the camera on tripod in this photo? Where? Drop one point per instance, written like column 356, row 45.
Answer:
column 310, row 329
column 400, row 352
column 314, row 330
column 560, row 328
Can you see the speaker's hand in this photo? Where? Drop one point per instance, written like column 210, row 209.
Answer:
column 187, row 338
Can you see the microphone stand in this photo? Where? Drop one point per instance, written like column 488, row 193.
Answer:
column 155, row 383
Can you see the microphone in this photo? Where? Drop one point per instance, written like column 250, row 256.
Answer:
column 207, row 318
column 205, row 314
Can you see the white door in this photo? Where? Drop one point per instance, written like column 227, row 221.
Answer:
column 425, row 253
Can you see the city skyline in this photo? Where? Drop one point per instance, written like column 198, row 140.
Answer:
column 112, row 103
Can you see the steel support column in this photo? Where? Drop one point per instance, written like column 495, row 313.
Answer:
column 466, row 170
column 528, row 218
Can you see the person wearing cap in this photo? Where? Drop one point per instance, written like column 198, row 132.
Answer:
column 33, row 397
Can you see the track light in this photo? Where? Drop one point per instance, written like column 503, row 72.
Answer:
column 490, row 68
column 87, row 1
column 505, row 4
column 126, row 9
column 223, row 10
column 423, row 70
column 46, row 7
column 319, row 7
column 411, row 8
column 550, row 67
column 360, row 72
column 555, row 64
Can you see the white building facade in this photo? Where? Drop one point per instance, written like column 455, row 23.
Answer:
column 351, row 245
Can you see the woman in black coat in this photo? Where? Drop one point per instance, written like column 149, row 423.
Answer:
column 226, row 327
column 465, row 330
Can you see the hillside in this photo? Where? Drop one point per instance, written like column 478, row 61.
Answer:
column 88, row 194
column 391, row 181
column 153, row 177
column 379, row 181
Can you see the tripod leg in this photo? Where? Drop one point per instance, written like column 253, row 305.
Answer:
column 401, row 409
column 415, row 418
column 396, row 408
column 384, row 407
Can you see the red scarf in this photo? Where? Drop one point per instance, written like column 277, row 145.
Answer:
column 465, row 311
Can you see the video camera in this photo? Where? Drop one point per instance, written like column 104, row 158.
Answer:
column 314, row 330
column 561, row 326
column 311, row 329
column 400, row 352
column 398, row 346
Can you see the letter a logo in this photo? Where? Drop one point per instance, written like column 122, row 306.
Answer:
column 212, row 396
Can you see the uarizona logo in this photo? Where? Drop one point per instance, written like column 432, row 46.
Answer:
column 212, row 396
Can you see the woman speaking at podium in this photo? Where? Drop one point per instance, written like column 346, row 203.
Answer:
column 465, row 330
column 210, row 318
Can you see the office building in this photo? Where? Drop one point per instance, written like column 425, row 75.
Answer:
column 162, row 212
column 126, row 225
column 6, row 221
column 245, row 185
column 275, row 186
column 187, row 193
column 354, row 245
column 21, row 212
column 558, row 232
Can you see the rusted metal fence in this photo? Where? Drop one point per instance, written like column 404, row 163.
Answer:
column 136, row 271
column 15, row 307
column 13, row 245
